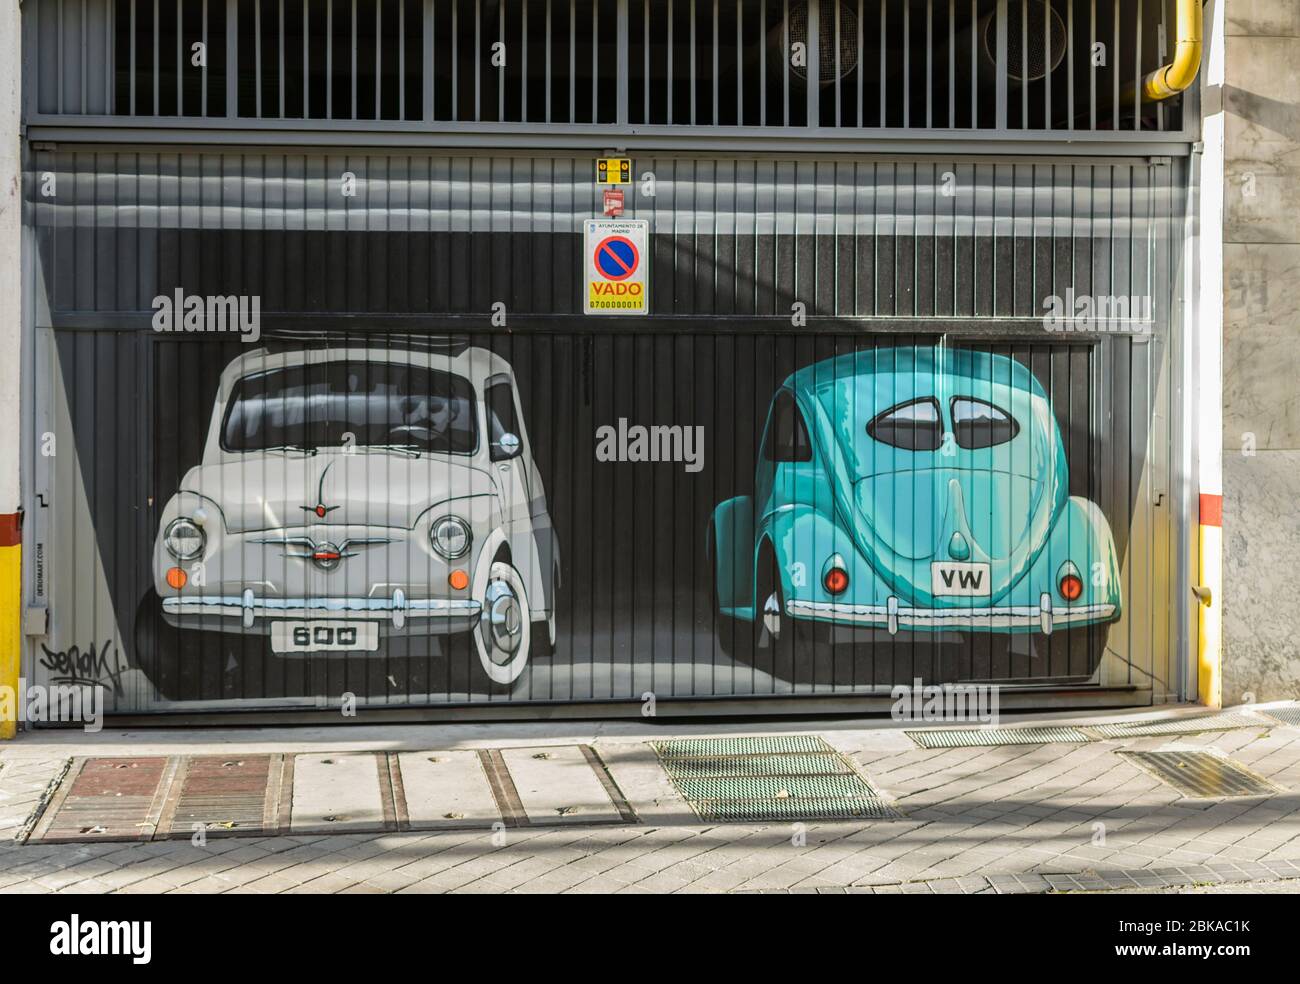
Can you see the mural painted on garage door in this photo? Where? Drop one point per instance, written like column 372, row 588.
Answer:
column 389, row 497
column 591, row 517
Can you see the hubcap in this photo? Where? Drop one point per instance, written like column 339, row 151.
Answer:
column 772, row 615
column 503, row 622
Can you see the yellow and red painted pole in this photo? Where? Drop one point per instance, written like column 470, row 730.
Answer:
column 11, row 554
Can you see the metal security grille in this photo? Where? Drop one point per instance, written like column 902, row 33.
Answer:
column 765, row 66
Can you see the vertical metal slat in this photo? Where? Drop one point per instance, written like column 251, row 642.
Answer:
column 157, row 68
column 762, row 65
column 1069, row 64
column 814, row 76
column 861, row 74
column 257, row 54
column 694, row 59
column 595, row 61
column 839, row 105
column 229, row 4
column 715, row 80
column 232, row 58
column 203, row 75
column 429, row 49
column 306, row 60
column 740, row 63
column 1137, row 65
column 180, row 45
column 929, row 64
column 281, row 43
column 1000, row 60
column 548, row 61
column 624, row 66
column 645, row 46
column 884, row 108
column 668, row 83
column 952, row 64
column 785, row 62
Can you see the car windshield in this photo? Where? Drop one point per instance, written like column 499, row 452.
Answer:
column 360, row 404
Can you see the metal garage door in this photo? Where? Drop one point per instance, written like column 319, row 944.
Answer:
column 900, row 370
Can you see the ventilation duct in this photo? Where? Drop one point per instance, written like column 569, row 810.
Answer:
column 834, row 61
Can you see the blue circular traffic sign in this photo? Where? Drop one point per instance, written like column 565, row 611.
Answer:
column 617, row 258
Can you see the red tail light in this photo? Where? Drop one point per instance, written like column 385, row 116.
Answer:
column 836, row 581
column 1071, row 587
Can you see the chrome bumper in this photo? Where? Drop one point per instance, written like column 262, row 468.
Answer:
column 248, row 607
column 892, row 616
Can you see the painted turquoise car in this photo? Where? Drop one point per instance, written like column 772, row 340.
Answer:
column 912, row 490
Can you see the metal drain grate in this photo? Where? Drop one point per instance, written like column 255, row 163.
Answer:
column 762, row 745
column 772, row 778
column 971, row 737
column 1202, row 775
column 1287, row 715
column 1228, row 721
column 763, row 765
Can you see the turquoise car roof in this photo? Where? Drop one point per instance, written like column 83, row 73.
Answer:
column 917, row 360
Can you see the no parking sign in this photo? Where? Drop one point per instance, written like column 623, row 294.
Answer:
column 616, row 266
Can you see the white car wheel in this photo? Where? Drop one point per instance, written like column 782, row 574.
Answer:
column 504, row 634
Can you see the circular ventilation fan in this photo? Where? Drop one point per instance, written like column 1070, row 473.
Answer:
column 832, row 63
column 1028, row 58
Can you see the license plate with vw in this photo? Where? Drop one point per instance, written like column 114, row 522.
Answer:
column 950, row 579
column 324, row 637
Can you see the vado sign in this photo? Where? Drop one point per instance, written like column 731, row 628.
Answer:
column 616, row 266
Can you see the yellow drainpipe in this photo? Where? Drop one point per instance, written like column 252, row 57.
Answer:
column 1169, row 80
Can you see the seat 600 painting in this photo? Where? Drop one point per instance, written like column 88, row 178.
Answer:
column 912, row 490
column 350, row 495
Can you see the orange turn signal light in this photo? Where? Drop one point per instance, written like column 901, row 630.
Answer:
column 176, row 577
column 458, row 579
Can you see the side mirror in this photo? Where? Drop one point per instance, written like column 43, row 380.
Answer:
column 508, row 446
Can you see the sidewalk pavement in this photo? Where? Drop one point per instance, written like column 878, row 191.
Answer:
column 1001, row 819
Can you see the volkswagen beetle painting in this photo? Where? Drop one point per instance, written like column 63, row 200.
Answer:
column 912, row 493
column 347, row 497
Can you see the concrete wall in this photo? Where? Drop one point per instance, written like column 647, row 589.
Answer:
column 1261, row 356
column 11, row 345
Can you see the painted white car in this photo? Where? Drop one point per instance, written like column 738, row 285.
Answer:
column 352, row 494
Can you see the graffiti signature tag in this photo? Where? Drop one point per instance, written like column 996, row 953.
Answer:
column 88, row 669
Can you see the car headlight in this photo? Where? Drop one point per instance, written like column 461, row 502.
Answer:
column 184, row 539
column 451, row 537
